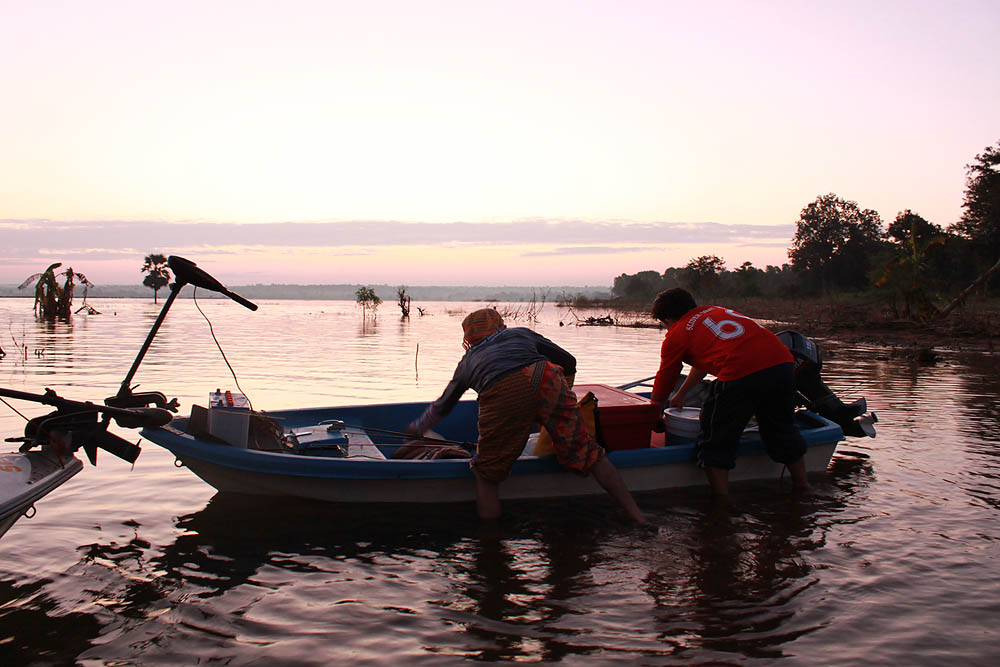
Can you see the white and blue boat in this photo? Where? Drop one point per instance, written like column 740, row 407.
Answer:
column 346, row 454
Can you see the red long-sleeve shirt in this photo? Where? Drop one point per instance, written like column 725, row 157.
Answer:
column 717, row 340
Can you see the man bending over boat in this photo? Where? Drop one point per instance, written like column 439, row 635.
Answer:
column 522, row 379
column 755, row 376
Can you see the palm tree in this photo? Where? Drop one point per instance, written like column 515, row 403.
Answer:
column 367, row 299
column 158, row 276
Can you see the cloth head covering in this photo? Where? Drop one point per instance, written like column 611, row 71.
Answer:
column 479, row 324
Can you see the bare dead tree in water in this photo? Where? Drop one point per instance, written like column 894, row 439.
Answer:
column 403, row 300
column 528, row 311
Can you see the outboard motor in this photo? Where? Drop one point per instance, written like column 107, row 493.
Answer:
column 815, row 395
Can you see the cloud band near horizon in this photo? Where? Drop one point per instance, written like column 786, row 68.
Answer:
column 597, row 237
column 588, row 252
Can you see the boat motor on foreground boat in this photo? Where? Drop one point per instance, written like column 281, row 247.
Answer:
column 46, row 457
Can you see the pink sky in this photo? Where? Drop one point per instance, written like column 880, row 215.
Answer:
column 236, row 113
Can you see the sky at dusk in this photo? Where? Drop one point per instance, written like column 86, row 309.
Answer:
column 457, row 142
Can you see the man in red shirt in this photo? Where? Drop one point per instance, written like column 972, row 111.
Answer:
column 754, row 374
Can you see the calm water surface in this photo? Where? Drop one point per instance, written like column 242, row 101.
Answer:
column 894, row 560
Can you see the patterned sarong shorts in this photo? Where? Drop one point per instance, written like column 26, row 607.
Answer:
column 511, row 408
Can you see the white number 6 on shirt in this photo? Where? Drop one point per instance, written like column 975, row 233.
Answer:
column 726, row 329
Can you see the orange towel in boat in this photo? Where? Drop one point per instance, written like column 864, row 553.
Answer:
column 588, row 408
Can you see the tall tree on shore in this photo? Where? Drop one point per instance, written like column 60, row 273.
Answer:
column 909, row 227
column 981, row 219
column 702, row 274
column 157, row 273
column 747, row 279
column 834, row 241
column 908, row 274
column 639, row 287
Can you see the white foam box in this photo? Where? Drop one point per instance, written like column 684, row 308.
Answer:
column 232, row 426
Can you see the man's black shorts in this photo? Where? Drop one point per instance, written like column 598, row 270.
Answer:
column 768, row 395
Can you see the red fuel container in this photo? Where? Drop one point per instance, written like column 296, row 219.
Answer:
column 626, row 418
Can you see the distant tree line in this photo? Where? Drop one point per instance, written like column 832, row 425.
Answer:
column 839, row 247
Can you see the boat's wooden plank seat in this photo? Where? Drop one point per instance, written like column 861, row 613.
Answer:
column 359, row 445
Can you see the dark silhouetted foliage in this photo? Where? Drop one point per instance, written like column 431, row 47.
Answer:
column 834, row 243
column 704, row 274
column 157, row 273
column 980, row 221
column 368, row 300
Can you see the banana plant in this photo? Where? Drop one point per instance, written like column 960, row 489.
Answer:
column 53, row 300
column 906, row 275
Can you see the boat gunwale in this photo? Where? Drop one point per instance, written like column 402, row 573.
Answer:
column 63, row 470
column 184, row 445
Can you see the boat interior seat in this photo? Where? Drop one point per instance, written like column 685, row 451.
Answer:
column 529, row 446
column 359, row 444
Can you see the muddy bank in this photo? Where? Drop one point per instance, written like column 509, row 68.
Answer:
column 971, row 328
column 966, row 329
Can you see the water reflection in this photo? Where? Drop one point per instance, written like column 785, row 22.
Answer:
column 978, row 422
column 734, row 588
column 225, row 544
column 735, row 578
column 520, row 588
column 850, row 470
column 980, row 390
column 36, row 628
column 722, row 582
column 505, row 591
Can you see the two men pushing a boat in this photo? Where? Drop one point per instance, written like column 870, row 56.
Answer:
column 523, row 379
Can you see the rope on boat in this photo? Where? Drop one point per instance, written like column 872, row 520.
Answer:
column 334, row 425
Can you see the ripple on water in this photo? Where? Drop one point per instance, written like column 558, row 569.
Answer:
column 891, row 559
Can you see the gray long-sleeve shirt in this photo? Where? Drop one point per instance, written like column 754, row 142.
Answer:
column 489, row 360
